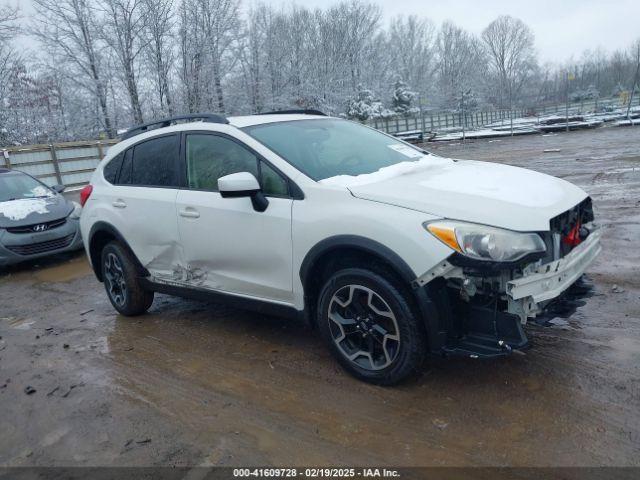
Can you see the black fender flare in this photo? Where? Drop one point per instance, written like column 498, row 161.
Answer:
column 361, row 243
column 428, row 309
column 105, row 227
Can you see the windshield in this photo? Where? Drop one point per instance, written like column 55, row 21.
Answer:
column 324, row 148
column 15, row 186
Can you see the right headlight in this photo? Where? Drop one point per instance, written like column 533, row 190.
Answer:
column 482, row 242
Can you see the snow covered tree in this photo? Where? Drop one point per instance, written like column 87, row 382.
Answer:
column 580, row 95
column 410, row 46
column 101, row 65
column 509, row 43
column 70, row 29
column 458, row 61
column 122, row 30
column 361, row 107
column 208, row 30
column 158, row 48
column 402, row 98
column 364, row 106
column 8, row 28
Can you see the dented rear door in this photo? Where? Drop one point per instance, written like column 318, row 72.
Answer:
column 142, row 206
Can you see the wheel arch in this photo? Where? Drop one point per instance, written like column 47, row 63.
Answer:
column 340, row 251
column 100, row 235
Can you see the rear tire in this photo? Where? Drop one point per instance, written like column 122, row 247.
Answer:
column 370, row 327
column 122, row 283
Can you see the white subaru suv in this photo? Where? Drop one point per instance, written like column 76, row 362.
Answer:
column 391, row 252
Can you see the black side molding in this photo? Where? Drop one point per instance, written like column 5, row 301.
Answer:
column 206, row 295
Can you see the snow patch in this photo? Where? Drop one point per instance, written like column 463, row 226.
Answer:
column 21, row 208
column 403, row 168
column 497, row 182
column 41, row 191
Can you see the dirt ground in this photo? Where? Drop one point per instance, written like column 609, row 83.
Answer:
column 203, row 384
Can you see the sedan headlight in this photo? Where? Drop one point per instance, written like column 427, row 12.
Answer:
column 482, row 242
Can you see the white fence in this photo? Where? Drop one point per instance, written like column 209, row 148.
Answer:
column 69, row 164
column 438, row 121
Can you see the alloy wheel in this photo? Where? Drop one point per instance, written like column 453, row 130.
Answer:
column 114, row 278
column 363, row 327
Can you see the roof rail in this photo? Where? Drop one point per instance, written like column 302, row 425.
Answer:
column 206, row 117
column 294, row 111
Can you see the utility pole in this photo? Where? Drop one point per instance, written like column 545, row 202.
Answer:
column 633, row 87
column 566, row 98
column 511, row 106
column 464, row 117
column 570, row 76
column 463, row 122
column 422, row 126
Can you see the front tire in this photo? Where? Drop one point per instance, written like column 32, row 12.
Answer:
column 121, row 281
column 370, row 326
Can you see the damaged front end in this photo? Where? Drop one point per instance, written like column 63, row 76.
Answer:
column 483, row 305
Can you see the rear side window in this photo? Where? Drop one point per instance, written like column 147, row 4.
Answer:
column 112, row 168
column 155, row 162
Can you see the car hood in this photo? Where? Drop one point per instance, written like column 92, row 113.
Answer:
column 480, row 192
column 28, row 211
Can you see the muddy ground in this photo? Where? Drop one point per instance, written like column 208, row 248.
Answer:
column 203, row 384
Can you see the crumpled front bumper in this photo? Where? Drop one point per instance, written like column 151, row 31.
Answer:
column 548, row 281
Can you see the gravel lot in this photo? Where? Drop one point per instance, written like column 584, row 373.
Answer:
column 203, row 384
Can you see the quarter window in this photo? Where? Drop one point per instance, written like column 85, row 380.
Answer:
column 272, row 182
column 125, row 172
column 112, row 168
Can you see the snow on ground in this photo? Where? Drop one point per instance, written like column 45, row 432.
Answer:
column 548, row 123
column 484, row 133
column 627, row 123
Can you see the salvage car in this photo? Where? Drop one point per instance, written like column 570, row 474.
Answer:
column 390, row 251
column 35, row 220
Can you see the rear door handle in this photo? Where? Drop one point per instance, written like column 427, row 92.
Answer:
column 119, row 204
column 189, row 213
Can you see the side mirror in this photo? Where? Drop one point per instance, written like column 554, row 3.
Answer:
column 243, row 184
column 58, row 188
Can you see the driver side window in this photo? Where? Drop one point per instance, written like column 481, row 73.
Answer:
column 210, row 157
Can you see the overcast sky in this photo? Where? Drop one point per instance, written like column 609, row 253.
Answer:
column 562, row 27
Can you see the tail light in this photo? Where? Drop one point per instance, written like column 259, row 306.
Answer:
column 85, row 193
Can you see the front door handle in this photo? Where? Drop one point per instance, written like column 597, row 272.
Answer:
column 189, row 213
column 119, row 204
